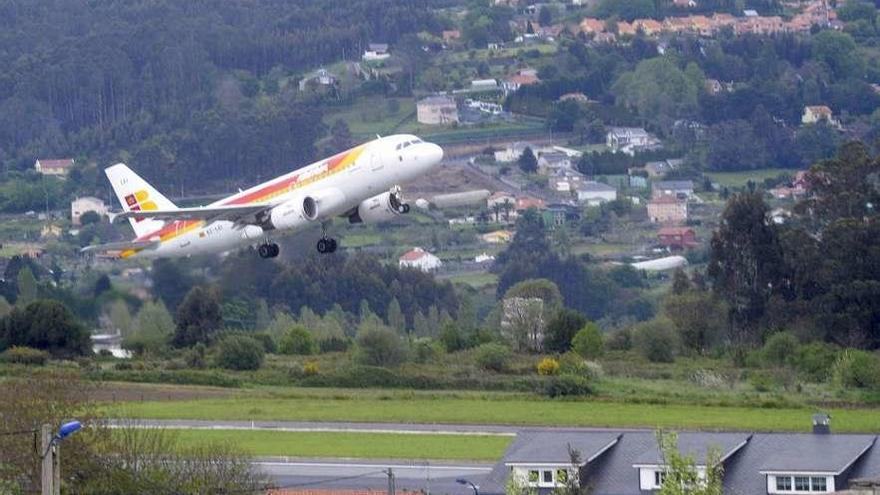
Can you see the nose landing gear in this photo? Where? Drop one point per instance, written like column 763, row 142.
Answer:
column 268, row 250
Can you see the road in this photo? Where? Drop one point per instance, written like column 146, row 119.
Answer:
column 372, row 475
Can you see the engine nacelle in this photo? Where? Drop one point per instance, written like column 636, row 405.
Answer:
column 324, row 204
column 379, row 208
column 288, row 215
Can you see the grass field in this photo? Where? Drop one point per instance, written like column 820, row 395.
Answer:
column 354, row 444
column 739, row 179
column 514, row 410
column 475, row 280
column 371, row 116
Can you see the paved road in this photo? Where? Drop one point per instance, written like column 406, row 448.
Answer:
column 372, row 474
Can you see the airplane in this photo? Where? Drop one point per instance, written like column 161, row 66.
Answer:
column 361, row 184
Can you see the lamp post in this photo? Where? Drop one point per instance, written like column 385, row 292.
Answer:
column 51, row 473
column 475, row 488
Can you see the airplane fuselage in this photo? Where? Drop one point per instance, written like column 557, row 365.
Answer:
column 350, row 177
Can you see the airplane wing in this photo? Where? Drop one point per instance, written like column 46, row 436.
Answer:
column 234, row 213
column 121, row 246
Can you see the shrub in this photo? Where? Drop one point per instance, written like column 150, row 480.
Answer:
column 815, row 360
column 567, row 386
column 380, row 346
column 762, row 381
column 588, row 341
column 297, row 340
column 562, row 329
column 195, row 357
column 573, row 364
column 267, row 341
column 310, row 369
column 655, row 340
column 620, row 340
column 779, row 349
column 24, row 355
column 492, row 356
column 334, row 344
column 451, row 338
column 857, row 369
column 237, row 352
column 548, row 367
column 427, row 350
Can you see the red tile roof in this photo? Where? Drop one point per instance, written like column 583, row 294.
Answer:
column 675, row 231
column 413, row 254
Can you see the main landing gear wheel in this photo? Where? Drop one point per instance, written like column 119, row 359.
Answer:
column 268, row 250
column 327, row 245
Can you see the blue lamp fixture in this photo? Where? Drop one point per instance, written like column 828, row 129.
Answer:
column 68, row 429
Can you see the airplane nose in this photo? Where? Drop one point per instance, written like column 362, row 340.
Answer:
column 435, row 153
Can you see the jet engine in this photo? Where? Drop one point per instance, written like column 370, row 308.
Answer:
column 288, row 215
column 379, row 208
column 323, row 204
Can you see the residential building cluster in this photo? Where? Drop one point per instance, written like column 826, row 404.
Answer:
column 816, row 13
column 631, row 462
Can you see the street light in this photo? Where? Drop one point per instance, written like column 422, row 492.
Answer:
column 51, row 475
column 462, row 481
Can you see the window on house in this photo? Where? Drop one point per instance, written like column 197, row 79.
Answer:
column 819, row 484
column 561, row 476
column 801, row 484
column 783, row 483
column 533, row 476
column 548, row 476
column 659, row 476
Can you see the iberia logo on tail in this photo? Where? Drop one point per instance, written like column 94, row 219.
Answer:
column 137, row 201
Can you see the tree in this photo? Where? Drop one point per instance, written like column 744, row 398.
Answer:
column 588, row 342
column 699, row 319
column 839, row 52
column 340, row 136
column 102, row 285
column 239, row 352
column 745, row 262
column 657, row 89
column 297, row 340
column 198, row 318
column 655, row 340
column 680, row 282
column 120, row 317
column 396, row 320
column 27, row 287
column 527, row 307
column 153, row 328
column 89, row 218
column 562, row 328
column 47, row 325
column 545, row 16
column 527, row 161
column 681, row 475
column 380, row 346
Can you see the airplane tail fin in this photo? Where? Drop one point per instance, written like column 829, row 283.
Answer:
column 135, row 194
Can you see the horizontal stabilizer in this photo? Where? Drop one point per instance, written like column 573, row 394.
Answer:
column 121, row 246
column 232, row 213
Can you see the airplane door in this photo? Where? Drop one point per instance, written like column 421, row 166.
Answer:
column 376, row 162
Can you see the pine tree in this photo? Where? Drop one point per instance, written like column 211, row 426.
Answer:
column 396, row 319
column 527, row 161
column 27, row 287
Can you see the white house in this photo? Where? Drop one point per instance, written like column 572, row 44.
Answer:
column 420, row 259
column 484, row 85
column 376, row 51
column 595, row 193
column 57, row 167
column 629, row 140
column 436, row 110
column 512, row 152
column 553, row 161
column 79, row 206
column 681, row 189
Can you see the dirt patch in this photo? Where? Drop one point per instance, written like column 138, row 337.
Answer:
column 133, row 392
column 450, row 178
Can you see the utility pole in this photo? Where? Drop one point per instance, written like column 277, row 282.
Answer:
column 49, row 462
column 390, row 473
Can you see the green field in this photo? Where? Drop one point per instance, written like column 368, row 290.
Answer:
column 371, row 116
column 739, row 179
column 512, row 410
column 475, row 280
column 354, row 444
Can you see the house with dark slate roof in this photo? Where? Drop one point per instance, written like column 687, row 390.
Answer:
column 629, row 462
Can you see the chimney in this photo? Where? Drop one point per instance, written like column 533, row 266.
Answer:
column 821, row 424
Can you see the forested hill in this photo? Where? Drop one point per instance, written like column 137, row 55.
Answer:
column 179, row 88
